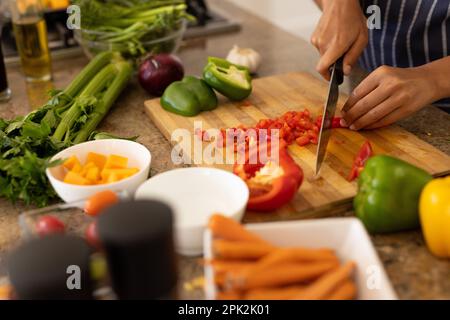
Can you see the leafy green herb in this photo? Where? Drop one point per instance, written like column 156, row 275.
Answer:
column 70, row 117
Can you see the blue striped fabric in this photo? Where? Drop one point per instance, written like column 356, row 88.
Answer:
column 413, row 33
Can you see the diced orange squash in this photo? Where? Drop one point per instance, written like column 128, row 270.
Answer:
column 120, row 173
column 96, row 158
column 116, row 162
column 98, row 169
column 77, row 168
column 93, row 175
column 71, row 162
column 131, row 172
column 112, row 178
column 86, row 168
column 75, row 178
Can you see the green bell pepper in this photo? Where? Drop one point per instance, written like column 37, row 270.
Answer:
column 189, row 97
column 389, row 193
column 231, row 80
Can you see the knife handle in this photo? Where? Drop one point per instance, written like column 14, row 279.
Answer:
column 339, row 69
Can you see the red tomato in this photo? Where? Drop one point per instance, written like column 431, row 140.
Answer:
column 100, row 201
column 92, row 236
column 49, row 225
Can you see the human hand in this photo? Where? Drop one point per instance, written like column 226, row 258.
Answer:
column 387, row 95
column 342, row 31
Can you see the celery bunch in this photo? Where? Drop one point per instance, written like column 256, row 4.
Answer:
column 68, row 118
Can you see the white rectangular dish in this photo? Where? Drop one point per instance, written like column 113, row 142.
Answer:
column 347, row 236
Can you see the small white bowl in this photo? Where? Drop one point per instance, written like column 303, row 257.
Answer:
column 195, row 194
column 138, row 157
column 347, row 236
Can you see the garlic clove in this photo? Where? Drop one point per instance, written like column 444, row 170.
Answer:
column 246, row 57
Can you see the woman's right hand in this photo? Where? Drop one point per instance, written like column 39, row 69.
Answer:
column 342, row 30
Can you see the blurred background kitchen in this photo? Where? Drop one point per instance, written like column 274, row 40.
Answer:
column 52, row 36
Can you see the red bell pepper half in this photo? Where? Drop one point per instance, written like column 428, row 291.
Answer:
column 272, row 185
column 361, row 158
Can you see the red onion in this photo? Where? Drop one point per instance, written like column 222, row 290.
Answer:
column 158, row 72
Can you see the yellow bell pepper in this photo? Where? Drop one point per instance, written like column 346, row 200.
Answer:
column 435, row 216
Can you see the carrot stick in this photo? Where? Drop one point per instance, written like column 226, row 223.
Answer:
column 222, row 269
column 289, row 274
column 291, row 255
column 221, row 266
column 274, row 294
column 325, row 285
column 346, row 291
column 241, row 250
column 228, row 295
column 220, row 279
column 228, row 229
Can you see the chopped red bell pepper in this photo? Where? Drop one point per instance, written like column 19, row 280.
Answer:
column 361, row 158
column 293, row 126
column 335, row 123
column 272, row 185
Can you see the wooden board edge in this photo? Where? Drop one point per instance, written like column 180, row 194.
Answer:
column 156, row 122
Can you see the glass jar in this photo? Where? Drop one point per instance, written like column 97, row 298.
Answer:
column 30, row 31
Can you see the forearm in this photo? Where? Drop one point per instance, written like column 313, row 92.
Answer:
column 439, row 73
column 323, row 4
column 319, row 3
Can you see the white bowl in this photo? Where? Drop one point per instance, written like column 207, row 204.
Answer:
column 347, row 236
column 195, row 194
column 138, row 157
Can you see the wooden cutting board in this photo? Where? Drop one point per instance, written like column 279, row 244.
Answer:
column 272, row 97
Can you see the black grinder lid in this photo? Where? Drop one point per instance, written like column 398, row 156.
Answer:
column 44, row 269
column 137, row 237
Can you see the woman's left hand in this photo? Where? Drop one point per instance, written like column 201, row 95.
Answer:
column 387, row 95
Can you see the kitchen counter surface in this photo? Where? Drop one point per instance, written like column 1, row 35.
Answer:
column 414, row 272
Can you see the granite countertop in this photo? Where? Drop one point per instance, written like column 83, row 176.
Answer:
column 414, row 272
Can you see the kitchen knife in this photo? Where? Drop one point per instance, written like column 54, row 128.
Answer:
column 337, row 78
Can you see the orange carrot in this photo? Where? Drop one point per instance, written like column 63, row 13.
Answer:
column 222, row 266
column 285, row 293
column 228, row 229
column 325, row 285
column 289, row 274
column 241, row 250
column 220, row 279
column 347, row 291
column 292, row 255
column 229, row 295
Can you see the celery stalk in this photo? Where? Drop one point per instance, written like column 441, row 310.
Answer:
column 66, row 97
column 124, row 72
column 92, row 90
column 89, row 72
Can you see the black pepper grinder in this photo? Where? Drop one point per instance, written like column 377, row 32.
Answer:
column 137, row 237
column 55, row 267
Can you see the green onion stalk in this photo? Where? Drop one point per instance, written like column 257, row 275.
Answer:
column 131, row 26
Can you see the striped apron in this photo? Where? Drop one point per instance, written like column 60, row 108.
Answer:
column 413, row 33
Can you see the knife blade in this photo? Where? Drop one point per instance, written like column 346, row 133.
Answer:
column 337, row 78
